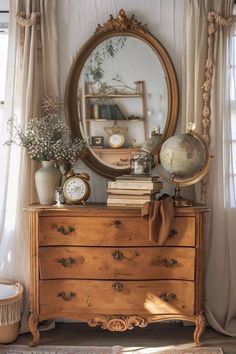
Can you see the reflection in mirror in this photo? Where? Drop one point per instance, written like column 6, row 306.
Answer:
column 121, row 94
column 122, row 99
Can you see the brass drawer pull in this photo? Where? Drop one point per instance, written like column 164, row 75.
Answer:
column 66, row 231
column 117, row 223
column 69, row 262
column 168, row 297
column 66, row 296
column 117, row 255
column 117, row 286
column 172, row 233
column 168, row 263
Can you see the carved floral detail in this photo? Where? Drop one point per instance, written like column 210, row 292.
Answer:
column 122, row 22
column 200, row 325
column 117, row 324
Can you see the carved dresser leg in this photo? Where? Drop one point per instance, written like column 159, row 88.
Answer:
column 33, row 327
column 200, row 326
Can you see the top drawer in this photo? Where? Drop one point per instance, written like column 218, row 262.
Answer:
column 109, row 231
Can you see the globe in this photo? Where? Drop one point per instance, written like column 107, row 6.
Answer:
column 183, row 156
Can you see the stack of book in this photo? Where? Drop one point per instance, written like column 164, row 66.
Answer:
column 133, row 191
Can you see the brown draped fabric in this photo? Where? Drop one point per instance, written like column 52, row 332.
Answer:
column 160, row 214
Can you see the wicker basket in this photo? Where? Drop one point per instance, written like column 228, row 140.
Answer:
column 11, row 296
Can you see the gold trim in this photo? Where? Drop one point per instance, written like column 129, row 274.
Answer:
column 122, row 22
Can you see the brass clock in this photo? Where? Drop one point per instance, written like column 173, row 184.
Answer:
column 76, row 188
column 116, row 140
column 116, row 134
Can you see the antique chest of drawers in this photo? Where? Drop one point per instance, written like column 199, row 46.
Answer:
column 96, row 264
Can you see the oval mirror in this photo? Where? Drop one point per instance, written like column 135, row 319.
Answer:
column 121, row 94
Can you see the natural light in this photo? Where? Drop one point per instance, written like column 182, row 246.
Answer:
column 3, row 61
column 3, row 69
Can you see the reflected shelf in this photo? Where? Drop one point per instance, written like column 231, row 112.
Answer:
column 114, row 120
column 113, row 95
column 119, row 157
column 115, row 150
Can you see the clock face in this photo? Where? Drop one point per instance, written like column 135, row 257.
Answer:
column 74, row 189
column 116, row 140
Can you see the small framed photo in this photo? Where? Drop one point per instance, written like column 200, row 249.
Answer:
column 97, row 141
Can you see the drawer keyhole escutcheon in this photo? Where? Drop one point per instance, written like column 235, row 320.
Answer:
column 168, row 263
column 172, row 233
column 117, row 286
column 117, row 223
column 69, row 262
column 66, row 296
column 168, row 297
column 117, row 255
column 66, row 231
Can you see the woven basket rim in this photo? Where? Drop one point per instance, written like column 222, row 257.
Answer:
column 14, row 298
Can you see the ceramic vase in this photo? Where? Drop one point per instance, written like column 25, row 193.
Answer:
column 47, row 178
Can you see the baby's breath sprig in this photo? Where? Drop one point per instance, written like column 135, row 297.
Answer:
column 47, row 138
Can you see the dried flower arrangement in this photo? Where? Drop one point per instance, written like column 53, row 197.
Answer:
column 48, row 137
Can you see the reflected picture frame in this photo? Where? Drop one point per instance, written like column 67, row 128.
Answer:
column 97, row 141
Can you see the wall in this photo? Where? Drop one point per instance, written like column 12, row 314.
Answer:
column 77, row 21
column 4, row 17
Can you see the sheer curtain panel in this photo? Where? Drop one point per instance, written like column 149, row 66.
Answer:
column 32, row 72
column 220, row 281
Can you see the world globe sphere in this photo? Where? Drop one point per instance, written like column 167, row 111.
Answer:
column 182, row 156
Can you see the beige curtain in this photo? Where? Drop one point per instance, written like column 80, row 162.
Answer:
column 220, row 262
column 32, row 72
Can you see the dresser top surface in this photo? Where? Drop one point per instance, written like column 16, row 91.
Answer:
column 101, row 208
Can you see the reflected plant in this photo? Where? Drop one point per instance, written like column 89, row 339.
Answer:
column 93, row 70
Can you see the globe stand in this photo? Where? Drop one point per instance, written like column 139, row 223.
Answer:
column 180, row 201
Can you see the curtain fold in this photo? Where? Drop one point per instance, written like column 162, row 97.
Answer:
column 220, row 262
column 32, row 72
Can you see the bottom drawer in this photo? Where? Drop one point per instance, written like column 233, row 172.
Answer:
column 116, row 297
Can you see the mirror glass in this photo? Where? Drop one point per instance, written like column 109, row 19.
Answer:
column 122, row 99
column 121, row 95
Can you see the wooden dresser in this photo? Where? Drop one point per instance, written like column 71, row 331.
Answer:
column 96, row 264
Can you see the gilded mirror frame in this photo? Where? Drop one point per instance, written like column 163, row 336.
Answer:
column 122, row 25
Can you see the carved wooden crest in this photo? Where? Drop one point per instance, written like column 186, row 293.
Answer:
column 117, row 323
column 122, row 22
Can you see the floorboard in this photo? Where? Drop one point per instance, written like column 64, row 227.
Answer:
column 154, row 335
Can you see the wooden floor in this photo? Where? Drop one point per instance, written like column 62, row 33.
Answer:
column 154, row 335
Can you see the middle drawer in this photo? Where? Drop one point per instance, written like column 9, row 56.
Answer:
column 116, row 263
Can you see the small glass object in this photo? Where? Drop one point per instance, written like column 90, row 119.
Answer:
column 59, row 197
column 141, row 163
